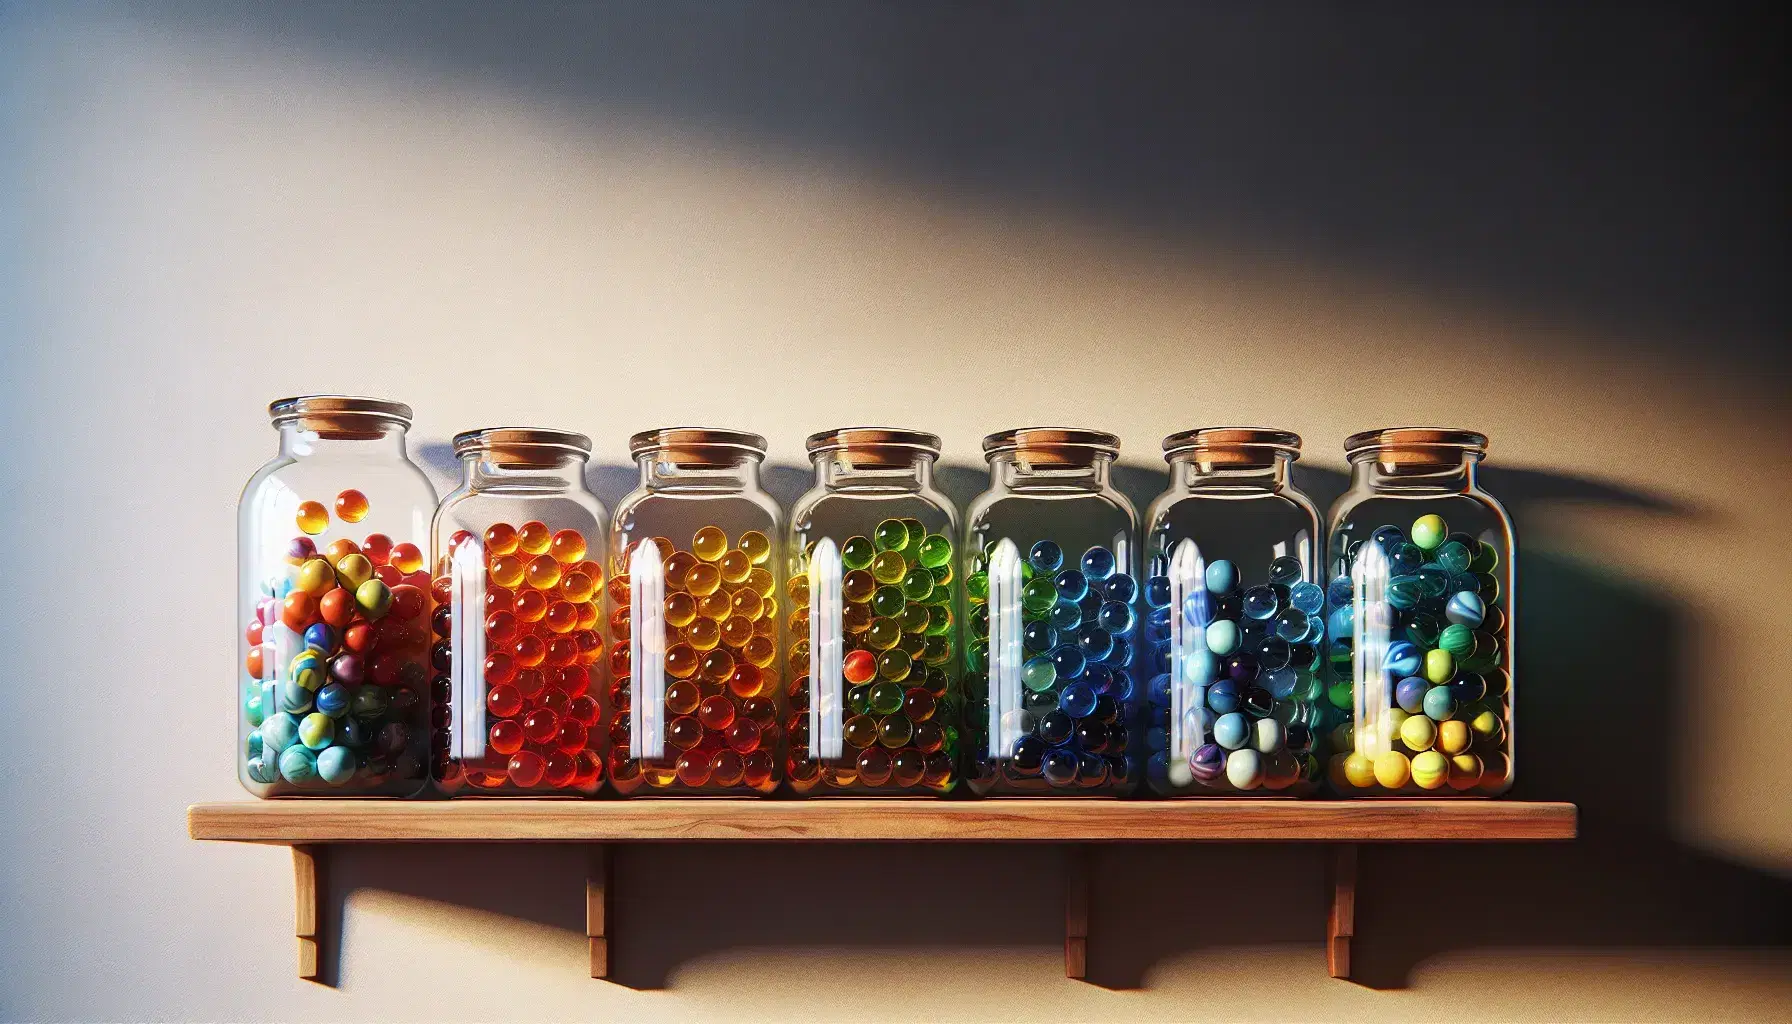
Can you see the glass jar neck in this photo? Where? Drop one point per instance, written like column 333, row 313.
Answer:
column 374, row 439
column 554, row 472
column 712, row 477
column 1429, row 472
column 853, row 472
column 1017, row 471
column 1210, row 473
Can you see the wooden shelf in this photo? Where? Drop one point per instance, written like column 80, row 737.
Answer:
column 309, row 826
column 721, row 820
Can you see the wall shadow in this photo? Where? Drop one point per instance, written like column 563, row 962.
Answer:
column 1597, row 690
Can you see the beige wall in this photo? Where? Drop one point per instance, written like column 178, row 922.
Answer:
column 204, row 211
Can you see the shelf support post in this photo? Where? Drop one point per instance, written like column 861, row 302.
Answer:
column 597, row 909
column 1340, row 925
column 307, row 882
column 1076, row 912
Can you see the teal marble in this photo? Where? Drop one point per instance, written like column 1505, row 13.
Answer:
column 336, row 765
column 280, row 731
column 298, row 765
column 1223, row 636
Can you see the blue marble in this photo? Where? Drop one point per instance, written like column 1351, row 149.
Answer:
column 1068, row 660
column 322, row 638
column 1095, row 643
column 1098, row 563
column 1342, row 621
column 1222, row 577
column 1059, row 767
column 1116, row 618
column 1341, row 591
column 1261, row 603
column 1280, row 682
column 1465, row 609
column 1222, row 696
column 1402, row 658
column 1120, row 587
column 1232, row 731
column 1285, row 571
column 1065, row 615
column 1157, row 592
column 333, row 699
column 1077, row 699
column 1045, row 557
column 1291, row 625
column 1055, row 728
column 1242, row 667
column 1038, row 637
column 1071, row 584
column 1308, row 597
column 1409, row 693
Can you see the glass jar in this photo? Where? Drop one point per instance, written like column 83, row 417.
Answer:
column 1051, row 564
column 1419, row 620
column 332, row 587
column 695, row 581
column 873, row 619
column 519, row 653
column 1234, row 551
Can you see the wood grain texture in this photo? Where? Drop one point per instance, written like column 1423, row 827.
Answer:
column 307, row 870
column 1040, row 820
column 1340, row 924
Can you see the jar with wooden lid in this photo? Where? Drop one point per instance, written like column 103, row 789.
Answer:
column 1419, row 621
column 698, row 601
column 519, row 656
column 1051, row 567
column 334, row 596
column 1234, row 624
column 873, row 619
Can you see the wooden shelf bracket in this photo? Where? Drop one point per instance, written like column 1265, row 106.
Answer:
column 307, row 883
column 597, row 909
column 1076, row 911
column 1340, row 924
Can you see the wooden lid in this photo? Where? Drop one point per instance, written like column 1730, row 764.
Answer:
column 1415, row 446
column 340, row 417
column 1241, row 447
column 1052, row 446
column 522, row 446
column 697, row 447
column 875, row 446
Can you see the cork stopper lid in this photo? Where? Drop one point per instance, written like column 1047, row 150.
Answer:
column 522, row 446
column 340, row 417
column 697, row 447
column 1233, row 447
column 873, row 447
column 1415, row 446
column 1048, row 447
